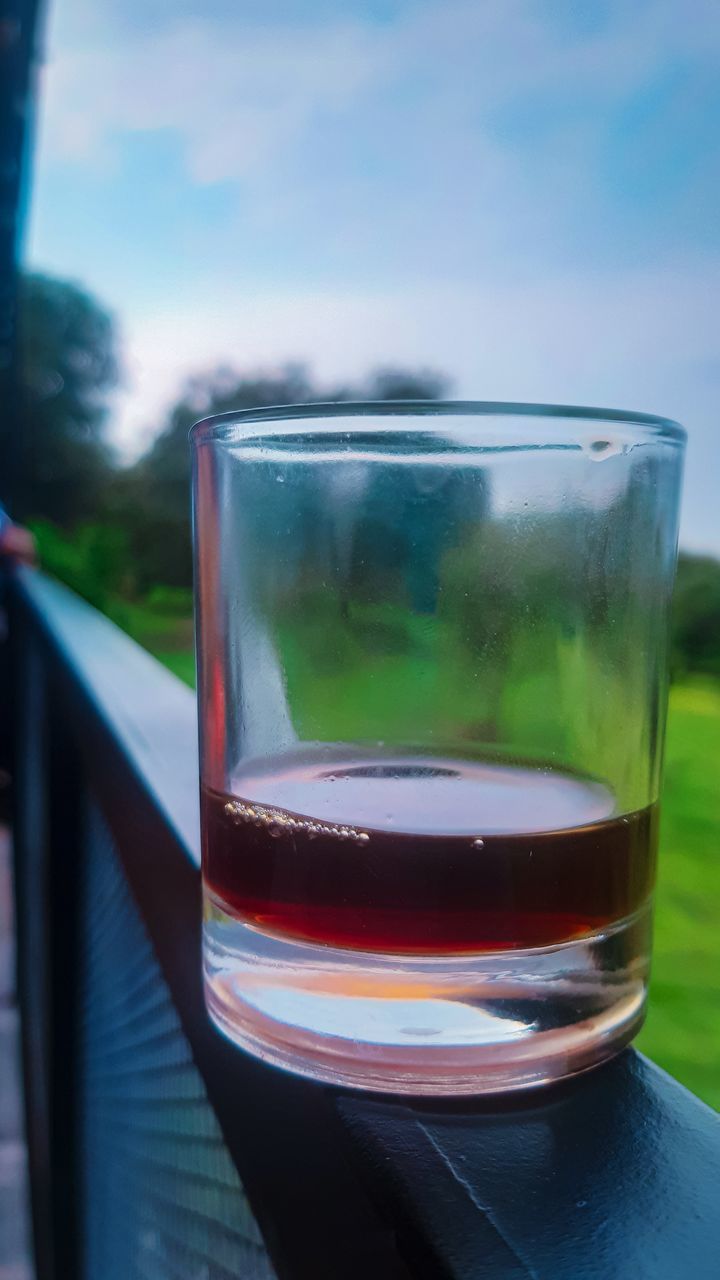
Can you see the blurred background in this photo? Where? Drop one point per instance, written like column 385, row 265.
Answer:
column 263, row 203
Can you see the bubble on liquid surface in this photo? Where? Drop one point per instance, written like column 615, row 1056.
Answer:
column 478, row 844
column 278, row 822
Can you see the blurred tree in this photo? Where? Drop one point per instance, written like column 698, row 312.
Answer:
column 402, row 384
column 68, row 364
column 151, row 499
column 93, row 559
column 696, row 616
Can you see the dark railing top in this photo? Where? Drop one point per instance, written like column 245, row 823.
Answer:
column 614, row 1174
column 150, row 713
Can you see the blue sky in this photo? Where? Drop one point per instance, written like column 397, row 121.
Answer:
column 522, row 193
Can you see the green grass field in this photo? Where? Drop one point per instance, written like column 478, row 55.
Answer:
column 682, row 1032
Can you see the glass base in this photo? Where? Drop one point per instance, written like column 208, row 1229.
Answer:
column 427, row 1025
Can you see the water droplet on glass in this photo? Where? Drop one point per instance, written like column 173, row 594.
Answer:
column 599, row 450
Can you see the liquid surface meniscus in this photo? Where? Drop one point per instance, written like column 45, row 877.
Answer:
column 424, row 856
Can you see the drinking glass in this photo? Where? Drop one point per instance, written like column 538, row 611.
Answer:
column 432, row 660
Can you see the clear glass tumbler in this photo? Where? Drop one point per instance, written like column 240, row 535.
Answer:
column 432, row 644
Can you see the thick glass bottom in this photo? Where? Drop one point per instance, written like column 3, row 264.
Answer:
column 427, row 1025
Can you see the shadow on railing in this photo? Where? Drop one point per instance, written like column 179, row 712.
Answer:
column 159, row 1150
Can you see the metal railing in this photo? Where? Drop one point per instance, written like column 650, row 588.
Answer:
column 159, row 1150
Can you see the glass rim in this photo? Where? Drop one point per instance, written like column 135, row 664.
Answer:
column 213, row 427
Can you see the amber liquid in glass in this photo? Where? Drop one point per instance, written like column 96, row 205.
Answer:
column 424, row 857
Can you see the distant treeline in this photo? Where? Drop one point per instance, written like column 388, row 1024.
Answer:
column 123, row 533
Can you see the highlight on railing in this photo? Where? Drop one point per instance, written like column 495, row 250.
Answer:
column 159, row 1150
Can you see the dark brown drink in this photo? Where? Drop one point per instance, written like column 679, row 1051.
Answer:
column 421, row 856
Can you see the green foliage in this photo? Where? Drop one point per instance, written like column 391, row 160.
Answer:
column 152, row 499
column 92, row 560
column 67, row 478
column 683, row 1024
column 696, row 616
column 176, row 602
column 68, row 366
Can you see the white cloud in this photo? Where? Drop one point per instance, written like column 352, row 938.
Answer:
column 237, row 94
column 234, row 97
column 355, row 148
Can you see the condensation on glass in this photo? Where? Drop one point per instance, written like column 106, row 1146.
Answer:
column 432, row 653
